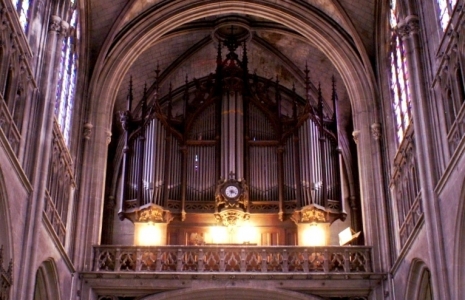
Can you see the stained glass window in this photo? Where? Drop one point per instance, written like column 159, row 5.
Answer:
column 399, row 79
column 445, row 11
column 23, row 9
column 67, row 76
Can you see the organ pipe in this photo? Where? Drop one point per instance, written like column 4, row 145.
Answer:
column 186, row 142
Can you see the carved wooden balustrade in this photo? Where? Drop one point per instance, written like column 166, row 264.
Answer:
column 236, row 259
column 60, row 185
column 6, row 279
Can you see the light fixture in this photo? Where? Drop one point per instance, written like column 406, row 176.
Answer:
column 347, row 235
column 247, row 233
column 315, row 235
column 219, row 234
column 148, row 234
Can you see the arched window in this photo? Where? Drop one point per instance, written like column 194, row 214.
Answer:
column 23, row 8
column 67, row 77
column 445, row 8
column 399, row 79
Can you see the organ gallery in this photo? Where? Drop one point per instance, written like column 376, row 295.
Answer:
column 230, row 149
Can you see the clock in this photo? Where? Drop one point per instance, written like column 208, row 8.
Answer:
column 231, row 191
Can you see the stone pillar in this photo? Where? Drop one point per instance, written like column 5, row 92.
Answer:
column 409, row 32
column 48, row 82
column 372, row 195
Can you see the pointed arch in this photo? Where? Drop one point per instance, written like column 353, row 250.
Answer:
column 46, row 281
column 459, row 251
column 419, row 282
column 5, row 224
column 231, row 293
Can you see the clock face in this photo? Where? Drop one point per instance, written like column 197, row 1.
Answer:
column 231, row 191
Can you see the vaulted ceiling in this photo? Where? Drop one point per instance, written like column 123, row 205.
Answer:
column 275, row 51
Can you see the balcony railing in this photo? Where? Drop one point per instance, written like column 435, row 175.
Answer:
column 239, row 259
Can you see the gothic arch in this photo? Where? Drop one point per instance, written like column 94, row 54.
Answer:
column 418, row 282
column 359, row 79
column 5, row 224
column 139, row 36
column 459, row 250
column 230, row 293
column 46, row 282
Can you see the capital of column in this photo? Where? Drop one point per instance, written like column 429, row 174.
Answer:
column 55, row 23
column 409, row 27
column 109, row 134
column 376, row 130
column 355, row 135
column 413, row 23
column 64, row 28
column 87, row 132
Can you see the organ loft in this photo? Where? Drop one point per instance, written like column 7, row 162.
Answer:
column 233, row 157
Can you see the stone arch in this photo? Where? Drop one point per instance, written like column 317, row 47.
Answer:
column 459, row 250
column 5, row 224
column 418, row 282
column 358, row 78
column 230, row 293
column 46, row 282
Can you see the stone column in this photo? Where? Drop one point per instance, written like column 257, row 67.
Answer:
column 48, row 82
column 409, row 32
column 372, row 195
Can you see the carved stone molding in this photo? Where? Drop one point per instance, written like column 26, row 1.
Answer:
column 376, row 131
column 108, row 139
column 409, row 27
column 413, row 23
column 64, row 28
column 356, row 135
column 55, row 23
column 87, row 130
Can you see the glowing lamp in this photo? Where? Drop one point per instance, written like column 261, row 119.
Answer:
column 149, row 234
column 219, row 234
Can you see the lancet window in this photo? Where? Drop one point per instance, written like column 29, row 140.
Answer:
column 23, row 7
column 445, row 9
column 400, row 91
column 67, row 77
column 405, row 185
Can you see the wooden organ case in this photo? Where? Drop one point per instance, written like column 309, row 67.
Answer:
column 228, row 147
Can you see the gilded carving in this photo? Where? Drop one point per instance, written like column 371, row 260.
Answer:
column 154, row 213
column 231, row 217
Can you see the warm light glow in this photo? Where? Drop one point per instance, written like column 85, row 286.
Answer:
column 148, row 234
column 219, row 234
column 247, row 233
column 314, row 235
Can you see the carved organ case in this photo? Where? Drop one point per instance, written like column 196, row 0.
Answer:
column 231, row 145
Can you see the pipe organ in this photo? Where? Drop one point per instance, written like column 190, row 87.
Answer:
column 237, row 142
